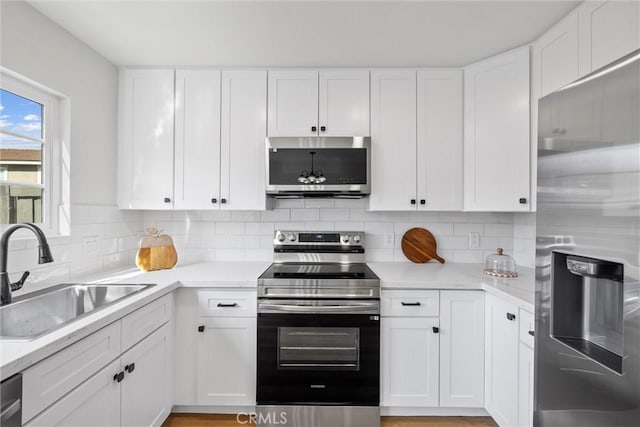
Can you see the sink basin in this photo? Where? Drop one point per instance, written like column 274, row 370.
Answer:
column 42, row 312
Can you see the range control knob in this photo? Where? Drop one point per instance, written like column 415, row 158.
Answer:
column 356, row 238
column 292, row 237
column 280, row 237
column 346, row 238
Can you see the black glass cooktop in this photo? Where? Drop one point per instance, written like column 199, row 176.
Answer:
column 319, row 271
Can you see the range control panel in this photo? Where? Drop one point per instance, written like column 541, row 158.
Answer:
column 319, row 238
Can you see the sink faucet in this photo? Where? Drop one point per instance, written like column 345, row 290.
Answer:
column 44, row 256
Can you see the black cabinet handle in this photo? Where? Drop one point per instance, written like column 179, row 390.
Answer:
column 130, row 367
column 423, row 202
column 323, row 128
column 511, row 316
column 167, row 200
column 223, row 201
column 531, row 333
column 200, row 328
column 414, row 304
column 214, row 200
column 118, row 377
column 413, row 201
column 436, row 329
column 313, row 128
column 523, row 200
column 235, row 304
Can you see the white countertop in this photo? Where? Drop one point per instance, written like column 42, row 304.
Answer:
column 16, row 356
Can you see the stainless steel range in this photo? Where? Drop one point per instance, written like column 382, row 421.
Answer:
column 318, row 333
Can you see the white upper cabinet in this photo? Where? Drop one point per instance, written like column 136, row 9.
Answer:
column 393, row 140
column 244, row 127
column 556, row 57
column 439, row 142
column 343, row 103
column 197, row 139
column 608, row 31
column 293, row 103
column 496, row 133
column 325, row 103
column 145, row 151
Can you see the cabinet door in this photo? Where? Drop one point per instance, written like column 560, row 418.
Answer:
column 555, row 57
column 293, row 103
column 525, row 386
column 393, row 140
column 147, row 389
column 409, row 361
column 145, row 143
column 197, row 153
column 501, row 361
column 244, row 127
column 227, row 361
column 608, row 31
column 96, row 402
column 462, row 349
column 439, row 148
column 344, row 103
column 496, row 133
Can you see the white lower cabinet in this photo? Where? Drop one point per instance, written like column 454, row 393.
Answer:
column 135, row 389
column 432, row 349
column 216, row 348
column 525, row 369
column 501, row 379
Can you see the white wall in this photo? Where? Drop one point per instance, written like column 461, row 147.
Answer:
column 237, row 236
column 39, row 49
column 102, row 237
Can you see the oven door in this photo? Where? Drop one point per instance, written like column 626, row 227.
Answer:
column 319, row 355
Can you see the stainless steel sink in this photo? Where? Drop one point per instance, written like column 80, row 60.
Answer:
column 42, row 312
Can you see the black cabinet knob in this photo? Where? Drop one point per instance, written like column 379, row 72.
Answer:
column 167, row 200
column 223, row 201
column 323, row 128
column 423, row 202
column 511, row 316
column 436, row 329
column 200, row 328
column 314, row 128
column 118, row 377
column 523, row 200
column 413, row 201
column 130, row 367
column 214, row 200
column 531, row 333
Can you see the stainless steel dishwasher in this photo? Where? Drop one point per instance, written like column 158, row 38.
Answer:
column 11, row 401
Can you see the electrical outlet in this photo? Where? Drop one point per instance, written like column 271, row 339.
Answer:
column 388, row 240
column 90, row 245
column 474, row 240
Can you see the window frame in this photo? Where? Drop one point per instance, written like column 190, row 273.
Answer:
column 55, row 152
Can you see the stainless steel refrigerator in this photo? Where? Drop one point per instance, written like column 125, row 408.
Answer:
column 587, row 337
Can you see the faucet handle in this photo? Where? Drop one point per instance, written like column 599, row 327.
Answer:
column 18, row 285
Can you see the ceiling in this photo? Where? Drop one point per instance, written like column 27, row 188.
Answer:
column 303, row 33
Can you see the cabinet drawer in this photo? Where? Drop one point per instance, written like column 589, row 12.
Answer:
column 229, row 303
column 527, row 324
column 49, row 380
column 145, row 320
column 410, row 303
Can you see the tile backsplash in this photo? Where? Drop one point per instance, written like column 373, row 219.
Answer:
column 104, row 238
column 238, row 235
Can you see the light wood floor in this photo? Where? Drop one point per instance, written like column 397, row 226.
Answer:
column 208, row 420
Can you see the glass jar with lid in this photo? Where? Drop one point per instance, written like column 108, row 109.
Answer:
column 500, row 265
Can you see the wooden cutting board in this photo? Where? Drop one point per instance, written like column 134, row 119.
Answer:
column 419, row 246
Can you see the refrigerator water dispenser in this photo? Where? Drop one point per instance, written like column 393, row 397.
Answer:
column 587, row 307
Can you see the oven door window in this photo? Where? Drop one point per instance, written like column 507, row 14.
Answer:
column 318, row 348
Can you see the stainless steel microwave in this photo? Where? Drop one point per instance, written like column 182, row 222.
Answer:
column 318, row 166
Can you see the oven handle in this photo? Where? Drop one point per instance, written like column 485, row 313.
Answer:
column 365, row 308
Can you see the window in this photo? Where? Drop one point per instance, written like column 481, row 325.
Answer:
column 30, row 154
